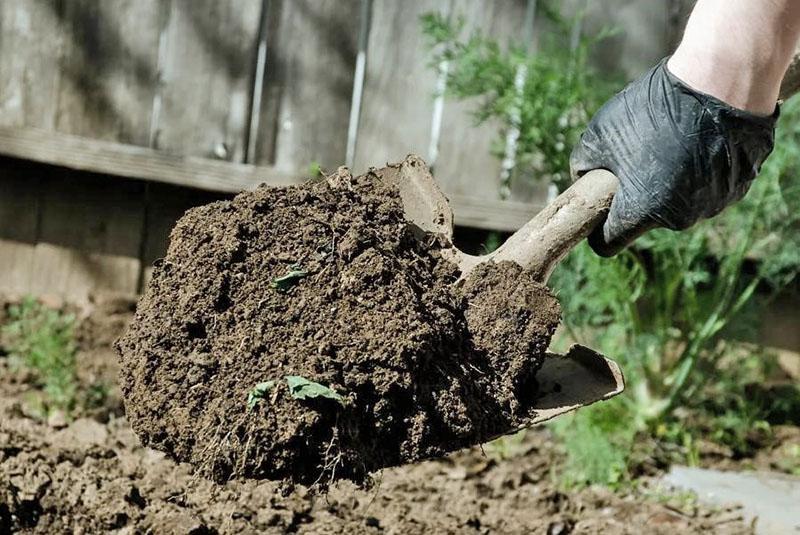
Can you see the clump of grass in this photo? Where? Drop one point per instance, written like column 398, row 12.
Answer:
column 41, row 340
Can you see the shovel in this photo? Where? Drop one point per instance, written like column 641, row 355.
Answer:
column 565, row 382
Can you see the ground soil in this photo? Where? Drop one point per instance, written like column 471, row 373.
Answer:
column 425, row 366
column 92, row 475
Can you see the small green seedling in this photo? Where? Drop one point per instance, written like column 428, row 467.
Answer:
column 284, row 282
column 302, row 388
column 258, row 393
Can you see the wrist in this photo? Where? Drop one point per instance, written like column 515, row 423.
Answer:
column 742, row 83
column 738, row 50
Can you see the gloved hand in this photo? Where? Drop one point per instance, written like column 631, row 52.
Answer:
column 680, row 156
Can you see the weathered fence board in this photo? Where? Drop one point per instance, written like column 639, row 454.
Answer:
column 398, row 92
column 108, row 68
column 88, row 238
column 105, row 157
column 19, row 212
column 309, row 78
column 206, row 77
column 30, row 44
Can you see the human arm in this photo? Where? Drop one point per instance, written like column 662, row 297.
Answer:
column 739, row 50
column 688, row 137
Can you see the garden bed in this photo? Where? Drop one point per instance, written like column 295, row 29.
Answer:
column 92, row 474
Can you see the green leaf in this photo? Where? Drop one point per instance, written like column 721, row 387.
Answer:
column 284, row 282
column 258, row 393
column 302, row 388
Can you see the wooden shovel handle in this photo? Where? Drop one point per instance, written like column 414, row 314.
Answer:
column 553, row 232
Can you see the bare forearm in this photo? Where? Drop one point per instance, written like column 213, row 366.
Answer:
column 739, row 50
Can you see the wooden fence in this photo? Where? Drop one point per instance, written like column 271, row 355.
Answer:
column 117, row 115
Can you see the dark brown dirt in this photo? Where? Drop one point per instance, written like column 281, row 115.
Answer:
column 424, row 369
column 95, row 477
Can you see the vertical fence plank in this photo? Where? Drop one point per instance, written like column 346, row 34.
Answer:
column 89, row 235
column 30, row 43
column 466, row 165
column 309, row 79
column 207, row 77
column 90, row 227
column 18, row 225
column 398, row 92
column 108, row 69
column 30, row 40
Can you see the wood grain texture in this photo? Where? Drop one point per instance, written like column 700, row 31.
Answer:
column 19, row 203
column 83, row 67
column 31, row 40
column 108, row 68
column 309, row 80
column 89, row 236
column 206, row 77
column 117, row 159
column 398, row 91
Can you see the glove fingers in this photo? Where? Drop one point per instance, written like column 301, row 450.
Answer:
column 625, row 223
column 579, row 161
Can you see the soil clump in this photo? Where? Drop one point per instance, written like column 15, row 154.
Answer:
column 329, row 283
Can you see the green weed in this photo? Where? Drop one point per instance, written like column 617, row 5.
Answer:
column 315, row 170
column 41, row 340
column 560, row 89
column 284, row 282
column 666, row 309
column 259, row 392
column 302, row 388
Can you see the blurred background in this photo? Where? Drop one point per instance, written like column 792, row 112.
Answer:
column 117, row 116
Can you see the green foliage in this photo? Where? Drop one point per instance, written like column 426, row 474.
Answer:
column 507, row 446
column 315, row 170
column 285, row 282
column 560, row 89
column 259, row 392
column 597, row 446
column 41, row 340
column 302, row 388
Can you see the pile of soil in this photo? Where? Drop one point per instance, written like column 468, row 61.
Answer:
column 327, row 281
column 96, row 478
column 93, row 476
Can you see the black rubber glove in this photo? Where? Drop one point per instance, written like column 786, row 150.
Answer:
column 680, row 156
